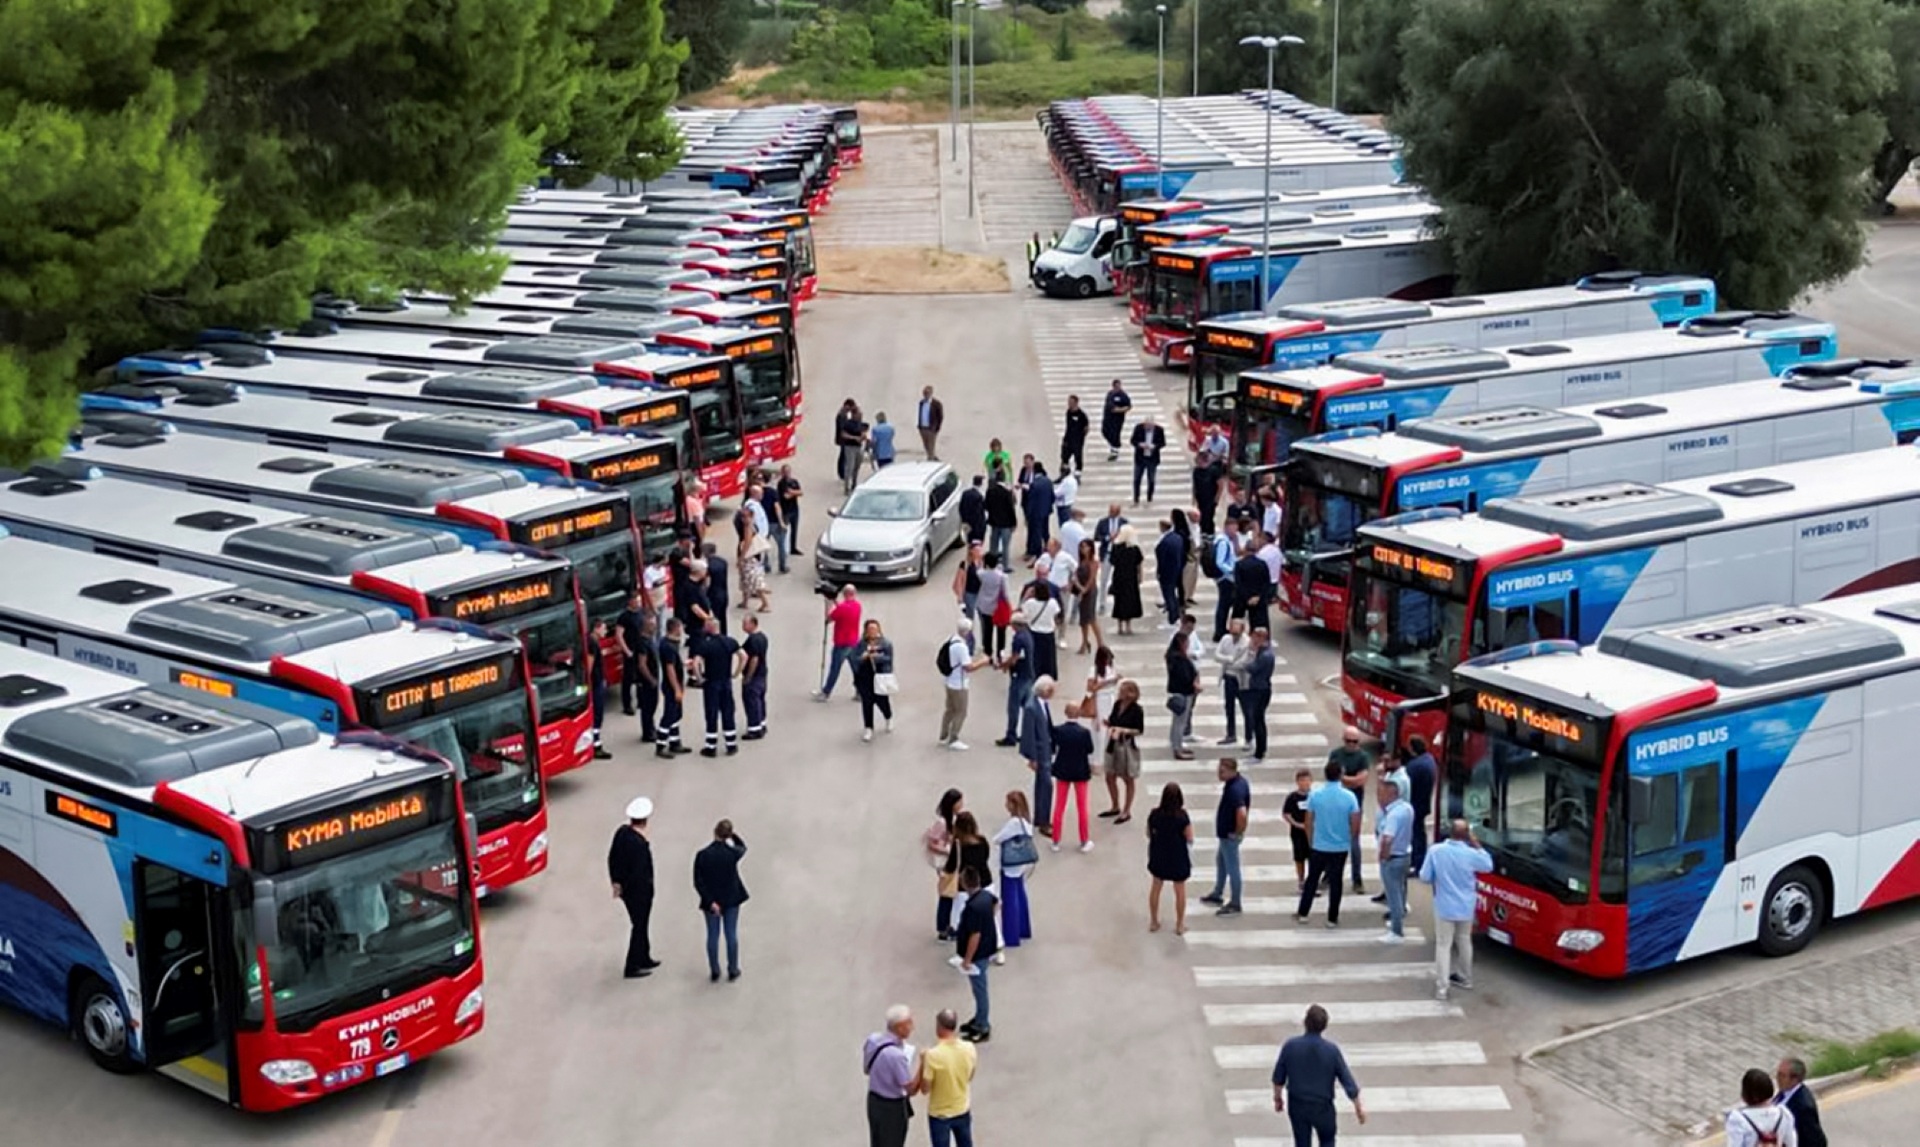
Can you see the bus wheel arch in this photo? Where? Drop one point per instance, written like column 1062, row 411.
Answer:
column 1797, row 903
column 98, row 1019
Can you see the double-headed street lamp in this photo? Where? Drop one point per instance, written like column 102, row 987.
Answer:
column 1270, row 45
column 1160, row 102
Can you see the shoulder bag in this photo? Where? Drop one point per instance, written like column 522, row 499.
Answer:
column 1019, row 851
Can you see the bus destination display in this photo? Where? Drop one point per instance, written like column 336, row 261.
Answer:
column 491, row 603
column 1411, row 567
column 85, row 814
column 695, row 377
column 385, row 705
column 626, row 466
column 313, row 839
column 1167, row 261
column 1272, row 396
column 1544, row 727
column 1228, row 341
column 673, row 409
column 765, row 344
column 570, row 526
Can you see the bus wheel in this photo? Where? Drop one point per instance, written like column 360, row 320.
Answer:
column 1083, row 288
column 1796, row 903
column 101, row 1023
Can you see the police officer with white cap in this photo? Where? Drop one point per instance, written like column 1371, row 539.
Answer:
column 630, row 869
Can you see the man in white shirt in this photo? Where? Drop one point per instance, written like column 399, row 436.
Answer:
column 1270, row 554
column 1216, row 443
column 1270, row 518
column 1064, row 492
column 1060, row 568
column 1073, row 531
column 959, row 650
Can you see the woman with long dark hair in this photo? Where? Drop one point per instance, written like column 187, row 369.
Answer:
column 937, row 843
column 1169, row 856
column 1085, row 588
column 873, row 678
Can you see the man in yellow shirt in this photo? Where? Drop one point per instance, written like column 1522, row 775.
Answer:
column 946, row 1075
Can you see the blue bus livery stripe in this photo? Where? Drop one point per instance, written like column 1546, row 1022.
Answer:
column 1672, row 309
column 1247, row 269
column 1602, row 580
column 1316, row 350
column 1383, row 408
column 1454, row 486
column 1903, row 415
column 1782, row 357
column 1661, row 915
column 42, row 939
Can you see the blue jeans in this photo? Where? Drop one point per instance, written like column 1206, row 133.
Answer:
column 780, row 545
column 981, row 1021
column 1393, row 874
column 729, row 918
column 1000, row 541
column 954, row 1132
column 1226, row 870
column 1311, row 1117
column 1230, row 695
column 842, row 655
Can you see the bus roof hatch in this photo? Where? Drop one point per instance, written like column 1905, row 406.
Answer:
column 1505, row 428
column 1609, row 510
column 260, row 622
column 1757, row 646
column 336, row 546
column 156, row 734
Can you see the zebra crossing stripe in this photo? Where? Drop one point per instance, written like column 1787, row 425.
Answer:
column 1306, row 975
column 1354, row 935
column 1437, row 1053
column 1387, row 1100
column 1362, row 1012
column 1399, row 1140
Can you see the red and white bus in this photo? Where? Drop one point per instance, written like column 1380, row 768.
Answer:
column 194, row 884
column 766, row 376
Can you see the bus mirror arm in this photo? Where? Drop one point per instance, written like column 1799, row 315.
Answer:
column 1311, row 560
column 1397, row 715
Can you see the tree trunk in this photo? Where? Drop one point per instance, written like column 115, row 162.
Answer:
column 1890, row 166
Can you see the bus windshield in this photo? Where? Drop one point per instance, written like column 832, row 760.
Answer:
column 1172, row 297
column 1264, row 435
column 1533, row 811
column 656, row 506
column 1213, row 373
column 763, row 389
column 358, row 929
column 1318, row 520
column 551, row 638
column 800, row 251
column 490, row 746
column 719, row 429
column 607, row 574
column 1403, row 638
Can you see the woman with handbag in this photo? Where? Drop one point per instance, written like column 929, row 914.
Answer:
column 937, row 843
column 1124, row 723
column 1043, row 614
column 993, row 606
column 1019, row 852
column 1169, row 856
column 1183, row 691
column 873, row 678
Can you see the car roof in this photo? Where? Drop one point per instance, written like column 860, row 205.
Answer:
column 905, row 476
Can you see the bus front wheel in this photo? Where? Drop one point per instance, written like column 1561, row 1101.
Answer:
column 100, row 1020
column 1796, row 903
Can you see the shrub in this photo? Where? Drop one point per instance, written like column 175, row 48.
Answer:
column 832, row 43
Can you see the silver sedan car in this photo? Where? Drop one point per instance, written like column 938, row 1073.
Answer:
column 894, row 526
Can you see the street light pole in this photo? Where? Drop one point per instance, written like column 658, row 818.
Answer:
column 1196, row 47
column 972, row 110
column 1333, row 97
column 1270, row 45
column 1160, row 103
column 953, row 68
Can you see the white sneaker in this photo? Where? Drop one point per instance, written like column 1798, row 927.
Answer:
column 1000, row 957
column 889, row 724
column 957, row 746
column 819, row 696
column 1440, row 993
column 1086, row 846
column 866, row 734
column 1390, row 938
column 1054, row 845
column 955, row 960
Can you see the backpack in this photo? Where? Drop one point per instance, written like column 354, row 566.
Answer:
column 943, row 660
column 1210, row 561
column 1767, row 1137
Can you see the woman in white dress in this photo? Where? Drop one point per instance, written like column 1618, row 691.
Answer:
column 1103, row 684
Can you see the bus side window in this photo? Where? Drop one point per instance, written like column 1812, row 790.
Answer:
column 1676, row 823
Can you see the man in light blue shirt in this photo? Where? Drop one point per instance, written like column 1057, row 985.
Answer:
column 1394, row 827
column 880, row 437
column 1333, row 823
column 1453, row 868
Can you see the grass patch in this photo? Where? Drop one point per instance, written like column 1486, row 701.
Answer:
column 1832, row 1058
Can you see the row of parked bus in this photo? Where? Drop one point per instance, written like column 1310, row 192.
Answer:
column 1645, row 573
column 297, row 632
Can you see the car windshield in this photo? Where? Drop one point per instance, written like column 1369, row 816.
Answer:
column 884, row 506
column 1078, row 240
column 1536, row 813
column 490, row 745
column 551, row 638
column 357, row 929
column 1406, row 639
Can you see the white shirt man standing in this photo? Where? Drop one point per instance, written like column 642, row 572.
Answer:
column 961, row 663
column 1453, row 867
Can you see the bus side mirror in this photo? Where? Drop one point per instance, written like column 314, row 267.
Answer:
column 1639, row 800
column 266, row 922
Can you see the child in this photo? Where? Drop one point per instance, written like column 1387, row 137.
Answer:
column 1295, row 813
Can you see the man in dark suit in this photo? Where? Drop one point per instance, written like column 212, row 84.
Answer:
column 973, row 509
column 630, row 870
column 1104, row 531
column 1036, row 747
column 1038, row 503
column 1148, row 441
column 1791, row 1078
column 1253, row 590
column 927, row 419
column 716, row 880
column 1003, row 514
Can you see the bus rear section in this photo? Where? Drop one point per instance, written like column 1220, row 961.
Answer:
column 1340, row 481
column 1314, row 334
column 1188, row 285
column 1383, row 389
column 1433, row 588
column 1737, row 778
column 208, row 890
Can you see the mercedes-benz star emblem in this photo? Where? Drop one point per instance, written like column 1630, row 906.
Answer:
column 390, row 1038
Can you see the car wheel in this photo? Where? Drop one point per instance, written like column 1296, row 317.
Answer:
column 926, row 566
column 1083, row 288
column 1791, row 914
column 100, row 1021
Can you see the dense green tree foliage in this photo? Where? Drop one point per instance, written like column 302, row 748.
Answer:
column 1725, row 137
column 1902, row 103
column 713, row 31
column 1226, row 66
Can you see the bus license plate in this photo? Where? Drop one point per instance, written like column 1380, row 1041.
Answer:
column 860, row 567
column 1500, row 937
column 389, row 1066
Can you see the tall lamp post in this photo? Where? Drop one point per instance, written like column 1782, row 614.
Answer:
column 1160, row 104
column 1196, row 47
column 972, row 111
column 1333, row 96
column 953, row 69
column 1270, row 45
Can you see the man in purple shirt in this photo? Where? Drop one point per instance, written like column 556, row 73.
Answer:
column 891, row 1079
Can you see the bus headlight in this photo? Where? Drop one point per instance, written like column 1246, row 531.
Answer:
column 583, row 742
column 470, row 1007
column 1580, row 940
column 536, row 848
column 287, row 1072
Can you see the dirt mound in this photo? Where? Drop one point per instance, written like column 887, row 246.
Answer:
column 909, row 271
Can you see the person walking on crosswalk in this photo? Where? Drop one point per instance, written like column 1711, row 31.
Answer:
column 1453, row 867
column 1333, row 823
column 1304, row 1073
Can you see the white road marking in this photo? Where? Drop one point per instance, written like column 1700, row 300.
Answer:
column 1438, row 1053
column 1299, row 975
column 1311, row 935
column 1398, row 1140
column 1386, row 1100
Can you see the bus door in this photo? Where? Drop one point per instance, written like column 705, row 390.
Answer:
column 1678, row 849
column 183, row 1033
